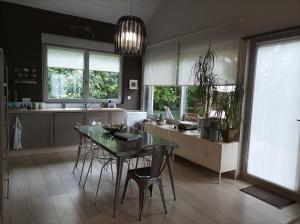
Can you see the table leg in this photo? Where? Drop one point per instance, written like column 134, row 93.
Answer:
column 170, row 169
column 78, row 152
column 118, row 182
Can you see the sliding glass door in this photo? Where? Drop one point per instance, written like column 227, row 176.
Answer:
column 274, row 139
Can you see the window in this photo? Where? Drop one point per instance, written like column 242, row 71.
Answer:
column 167, row 96
column 67, row 69
column 193, row 105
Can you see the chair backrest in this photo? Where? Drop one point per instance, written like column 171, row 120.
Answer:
column 160, row 154
column 191, row 117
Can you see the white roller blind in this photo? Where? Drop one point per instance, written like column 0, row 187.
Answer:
column 104, row 62
column 160, row 65
column 65, row 58
column 224, row 42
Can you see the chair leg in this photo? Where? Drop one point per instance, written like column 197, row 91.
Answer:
column 99, row 182
column 128, row 168
column 77, row 158
column 112, row 172
column 125, row 188
column 162, row 195
column 89, row 170
column 82, row 168
column 142, row 194
column 150, row 189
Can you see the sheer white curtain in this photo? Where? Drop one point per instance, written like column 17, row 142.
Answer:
column 224, row 42
column 275, row 134
column 160, row 64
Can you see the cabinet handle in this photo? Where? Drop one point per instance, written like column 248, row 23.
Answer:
column 298, row 120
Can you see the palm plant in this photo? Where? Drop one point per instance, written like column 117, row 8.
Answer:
column 204, row 78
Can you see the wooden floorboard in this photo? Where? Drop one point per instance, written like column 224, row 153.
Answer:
column 45, row 191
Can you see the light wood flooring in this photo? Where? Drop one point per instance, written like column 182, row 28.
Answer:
column 45, row 191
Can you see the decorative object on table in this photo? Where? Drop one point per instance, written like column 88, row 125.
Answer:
column 130, row 36
column 159, row 119
column 133, row 84
column 229, row 106
column 206, row 81
column 127, row 136
column 113, row 127
column 187, row 125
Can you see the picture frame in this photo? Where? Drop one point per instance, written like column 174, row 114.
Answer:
column 133, row 84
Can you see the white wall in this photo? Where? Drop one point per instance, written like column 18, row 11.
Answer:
column 176, row 17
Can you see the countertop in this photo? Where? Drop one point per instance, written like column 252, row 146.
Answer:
column 66, row 110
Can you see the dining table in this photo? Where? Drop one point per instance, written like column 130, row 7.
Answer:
column 123, row 149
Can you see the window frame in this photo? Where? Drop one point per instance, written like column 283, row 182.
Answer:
column 85, row 87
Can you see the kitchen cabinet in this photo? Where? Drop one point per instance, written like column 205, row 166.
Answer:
column 36, row 130
column 64, row 133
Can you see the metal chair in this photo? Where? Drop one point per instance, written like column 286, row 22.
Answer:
column 145, row 177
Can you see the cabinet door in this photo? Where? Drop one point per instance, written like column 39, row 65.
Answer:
column 36, row 130
column 64, row 132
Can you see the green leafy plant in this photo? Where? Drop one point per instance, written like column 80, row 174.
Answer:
column 204, row 77
column 229, row 106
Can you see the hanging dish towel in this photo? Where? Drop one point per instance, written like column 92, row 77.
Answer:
column 17, row 135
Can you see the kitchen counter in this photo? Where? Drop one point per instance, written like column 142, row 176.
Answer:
column 64, row 110
column 55, row 126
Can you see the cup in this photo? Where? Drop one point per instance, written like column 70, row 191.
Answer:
column 36, row 106
column 42, row 105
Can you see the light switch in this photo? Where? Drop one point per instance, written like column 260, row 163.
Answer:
column 128, row 97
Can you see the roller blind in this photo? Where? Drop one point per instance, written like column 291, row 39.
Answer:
column 104, row 62
column 65, row 58
column 224, row 42
column 160, row 64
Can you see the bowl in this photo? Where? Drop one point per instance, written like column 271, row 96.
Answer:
column 113, row 127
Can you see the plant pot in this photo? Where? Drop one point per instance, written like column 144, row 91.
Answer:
column 160, row 122
column 231, row 135
column 209, row 128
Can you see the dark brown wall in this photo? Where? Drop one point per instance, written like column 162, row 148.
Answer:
column 20, row 37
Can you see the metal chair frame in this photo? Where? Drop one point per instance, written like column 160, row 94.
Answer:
column 151, row 175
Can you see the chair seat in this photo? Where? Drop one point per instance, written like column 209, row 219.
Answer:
column 142, row 173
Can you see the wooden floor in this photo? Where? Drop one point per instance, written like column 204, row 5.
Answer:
column 45, row 191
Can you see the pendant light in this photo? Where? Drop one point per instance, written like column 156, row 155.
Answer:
column 130, row 36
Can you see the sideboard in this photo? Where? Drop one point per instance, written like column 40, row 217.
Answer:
column 217, row 156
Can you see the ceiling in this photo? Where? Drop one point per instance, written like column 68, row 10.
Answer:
column 102, row 10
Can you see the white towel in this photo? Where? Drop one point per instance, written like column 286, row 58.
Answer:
column 17, row 136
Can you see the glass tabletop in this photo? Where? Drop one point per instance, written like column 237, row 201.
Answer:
column 117, row 146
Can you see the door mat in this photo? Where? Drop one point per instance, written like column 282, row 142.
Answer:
column 267, row 196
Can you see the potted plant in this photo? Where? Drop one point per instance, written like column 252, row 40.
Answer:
column 205, row 80
column 229, row 105
column 159, row 119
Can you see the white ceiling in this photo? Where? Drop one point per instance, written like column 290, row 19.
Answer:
column 102, row 10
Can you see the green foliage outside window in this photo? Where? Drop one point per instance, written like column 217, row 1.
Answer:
column 193, row 104
column 166, row 96
column 65, row 83
column 103, row 85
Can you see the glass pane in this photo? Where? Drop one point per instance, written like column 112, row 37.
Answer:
column 193, row 105
column 104, row 62
column 64, row 83
column 103, row 85
column 166, row 96
column 275, row 133
column 65, row 58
